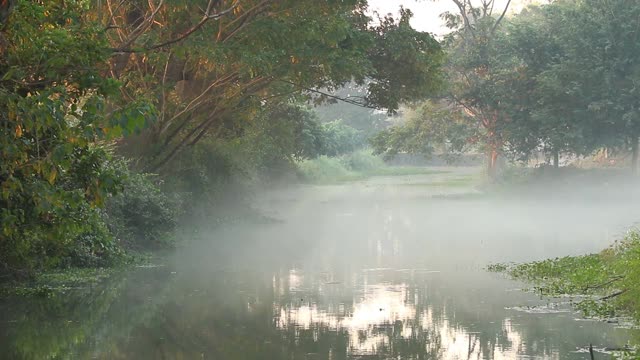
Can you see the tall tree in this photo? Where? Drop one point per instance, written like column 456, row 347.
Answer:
column 474, row 83
column 574, row 90
column 207, row 72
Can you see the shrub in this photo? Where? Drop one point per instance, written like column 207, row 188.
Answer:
column 323, row 169
column 44, row 221
column 362, row 161
column 142, row 216
column 95, row 247
column 627, row 264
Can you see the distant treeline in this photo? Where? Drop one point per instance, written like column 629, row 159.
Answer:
column 559, row 79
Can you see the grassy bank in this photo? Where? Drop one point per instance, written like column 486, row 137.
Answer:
column 350, row 167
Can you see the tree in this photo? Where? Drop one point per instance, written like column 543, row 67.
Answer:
column 474, row 83
column 53, row 169
column 365, row 119
column 209, row 72
column 573, row 90
column 602, row 68
column 539, row 117
column 432, row 127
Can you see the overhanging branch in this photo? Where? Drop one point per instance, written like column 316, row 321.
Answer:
column 208, row 15
column 349, row 100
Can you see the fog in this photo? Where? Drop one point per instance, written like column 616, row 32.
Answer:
column 386, row 262
column 381, row 268
column 262, row 179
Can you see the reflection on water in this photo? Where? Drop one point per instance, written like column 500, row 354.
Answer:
column 294, row 314
column 394, row 314
column 364, row 274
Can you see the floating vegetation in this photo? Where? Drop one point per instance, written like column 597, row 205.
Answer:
column 57, row 282
column 602, row 286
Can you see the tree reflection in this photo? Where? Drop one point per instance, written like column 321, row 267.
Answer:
column 289, row 314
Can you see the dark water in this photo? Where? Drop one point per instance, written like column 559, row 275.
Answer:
column 384, row 269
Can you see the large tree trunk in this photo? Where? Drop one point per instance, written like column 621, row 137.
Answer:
column 556, row 158
column 634, row 155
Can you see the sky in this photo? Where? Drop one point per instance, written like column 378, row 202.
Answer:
column 427, row 12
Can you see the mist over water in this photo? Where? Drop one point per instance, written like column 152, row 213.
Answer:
column 391, row 267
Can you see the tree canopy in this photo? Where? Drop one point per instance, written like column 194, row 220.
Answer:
column 557, row 78
column 85, row 82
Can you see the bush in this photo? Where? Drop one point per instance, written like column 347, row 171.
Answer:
column 628, row 265
column 44, row 220
column 324, row 169
column 142, row 216
column 338, row 138
column 96, row 247
column 346, row 167
column 362, row 161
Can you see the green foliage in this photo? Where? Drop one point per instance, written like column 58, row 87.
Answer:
column 610, row 278
column 95, row 246
column 555, row 79
column 231, row 67
column 362, row 161
column 366, row 120
column 568, row 275
column 337, row 138
column 54, row 172
column 627, row 265
column 406, row 62
column 567, row 71
column 74, row 76
column 431, row 127
column 142, row 216
column 348, row 167
column 324, row 169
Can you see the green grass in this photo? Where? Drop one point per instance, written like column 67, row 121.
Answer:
column 464, row 181
column 353, row 167
column 404, row 171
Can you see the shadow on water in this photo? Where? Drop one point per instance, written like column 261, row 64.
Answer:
column 352, row 272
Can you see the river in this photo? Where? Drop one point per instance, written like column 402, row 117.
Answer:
column 385, row 268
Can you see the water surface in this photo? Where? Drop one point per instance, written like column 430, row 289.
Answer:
column 388, row 268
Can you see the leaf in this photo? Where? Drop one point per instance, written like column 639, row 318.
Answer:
column 51, row 177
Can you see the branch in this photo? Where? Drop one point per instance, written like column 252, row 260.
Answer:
column 140, row 29
column 599, row 286
column 195, row 103
column 244, row 19
column 345, row 100
column 495, row 26
column 468, row 108
column 617, row 293
column 463, row 12
column 486, row 5
column 194, row 135
column 208, row 15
